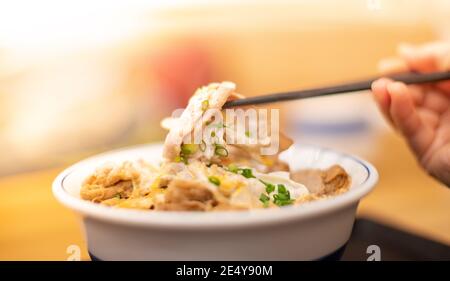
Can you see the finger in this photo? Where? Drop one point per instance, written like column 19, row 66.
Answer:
column 417, row 59
column 444, row 87
column 407, row 119
column 436, row 101
column 436, row 160
column 440, row 51
column 417, row 94
column 430, row 57
column 382, row 98
column 402, row 109
column 428, row 117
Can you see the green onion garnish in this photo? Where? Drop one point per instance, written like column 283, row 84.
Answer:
column 202, row 146
column 220, row 150
column 214, row 180
column 247, row 173
column 205, row 105
column 270, row 188
column 233, row 168
column 282, row 189
column 264, row 199
column 188, row 149
column 242, row 171
column 283, row 197
column 181, row 158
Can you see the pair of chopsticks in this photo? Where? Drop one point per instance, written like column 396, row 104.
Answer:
column 407, row 78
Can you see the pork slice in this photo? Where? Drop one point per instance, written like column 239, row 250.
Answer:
column 187, row 195
column 323, row 182
column 334, row 179
column 216, row 94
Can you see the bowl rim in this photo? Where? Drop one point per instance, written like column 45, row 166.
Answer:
column 212, row 220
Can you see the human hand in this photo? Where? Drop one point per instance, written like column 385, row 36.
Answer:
column 421, row 113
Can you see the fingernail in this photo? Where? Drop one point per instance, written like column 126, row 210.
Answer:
column 375, row 84
column 396, row 88
column 380, row 83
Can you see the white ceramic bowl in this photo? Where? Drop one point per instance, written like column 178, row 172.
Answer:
column 311, row 231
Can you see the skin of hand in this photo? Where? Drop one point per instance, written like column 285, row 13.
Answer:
column 421, row 113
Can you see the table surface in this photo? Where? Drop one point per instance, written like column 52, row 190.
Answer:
column 34, row 226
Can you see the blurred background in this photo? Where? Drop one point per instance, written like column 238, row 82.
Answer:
column 81, row 77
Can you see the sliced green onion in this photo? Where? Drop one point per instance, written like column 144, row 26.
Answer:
column 283, row 197
column 264, row 199
column 281, row 203
column 214, row 180
column 270, row 188
column 247, row 173
column 282, row 189
column 220, row 150
column 188, row 148
column 233, row 168
column 180, row 159
column 242, row 171
column 202, row 146
column 205, row 105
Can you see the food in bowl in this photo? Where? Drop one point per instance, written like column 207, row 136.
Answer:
column 213, row 173
column 317, row 230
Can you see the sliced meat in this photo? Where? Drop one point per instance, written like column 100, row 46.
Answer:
column 109, row 181
column 323, row 182
column 334, row 179
column 187, row 195
column 215, row 95
column 97, row 193
column 312, row 179
column 238, row 151
column 110, row 174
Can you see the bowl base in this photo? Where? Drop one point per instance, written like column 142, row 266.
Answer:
column 334, row 256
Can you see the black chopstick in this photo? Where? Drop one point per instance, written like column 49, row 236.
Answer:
column 408, row 78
